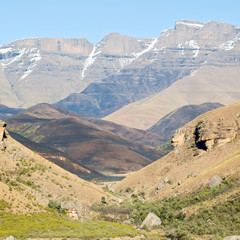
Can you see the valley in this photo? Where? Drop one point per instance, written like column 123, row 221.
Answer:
column 127, row 138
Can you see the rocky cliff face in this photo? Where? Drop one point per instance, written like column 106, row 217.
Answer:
column 178, row 52
column 117, row 70
column 47, row 70
column 205, row 134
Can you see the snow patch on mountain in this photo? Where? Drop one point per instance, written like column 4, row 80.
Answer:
column 149, row 47
column 34, row 58
column 190, row 24
column 6, row 62
column 193, row 44
column 5, row 50
column 227, row 46
column 124, row 61
column 181, row 49
column 90, row 60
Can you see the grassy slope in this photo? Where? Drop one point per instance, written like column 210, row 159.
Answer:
column 29, row 181
column 201, row 214
column 184, row 167
column 53, row 225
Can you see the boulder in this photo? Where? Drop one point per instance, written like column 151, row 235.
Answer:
column 10, row 238
column 215, row 181
column 232, row 238
column 126, row 222
column 76, row 210
column 151, row 220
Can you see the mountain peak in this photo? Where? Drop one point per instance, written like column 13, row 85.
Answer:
column 190, row 23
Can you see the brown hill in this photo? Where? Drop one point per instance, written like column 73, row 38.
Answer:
column 167, row 125
column 81, row 140
column 60, row 159
column 6, row 112
column 29, row 182
column 205, row 147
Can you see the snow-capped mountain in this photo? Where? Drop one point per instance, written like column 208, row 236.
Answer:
column 114, row 72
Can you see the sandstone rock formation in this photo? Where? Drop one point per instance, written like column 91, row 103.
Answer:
column 167, row 126
column 2, row 135
column 10, row 238
column 206, row 134
column 206, row 147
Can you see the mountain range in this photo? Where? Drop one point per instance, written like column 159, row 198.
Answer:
column 144, row 79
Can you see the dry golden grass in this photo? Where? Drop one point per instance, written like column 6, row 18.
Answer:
column 29, row 181
column 186, row 171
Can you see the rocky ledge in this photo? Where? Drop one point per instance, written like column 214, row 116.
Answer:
column 205, row 134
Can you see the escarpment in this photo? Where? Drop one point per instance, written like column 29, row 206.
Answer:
column 205, row 134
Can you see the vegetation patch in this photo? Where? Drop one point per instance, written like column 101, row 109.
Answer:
column 53, row 225
column 165, row 148
column 38, row 138
column 220, row 220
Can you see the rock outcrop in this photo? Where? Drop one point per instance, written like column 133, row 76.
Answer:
column 76, row 210
column 206, row 134
column 2, row 135
column 10, row 238
column 194, row 161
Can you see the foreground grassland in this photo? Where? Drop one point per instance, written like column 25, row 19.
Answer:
column 54, row 225
column 203, row 214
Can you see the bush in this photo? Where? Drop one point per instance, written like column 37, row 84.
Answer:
column 55, row 205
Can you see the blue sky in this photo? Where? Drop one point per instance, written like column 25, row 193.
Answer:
column 93, row 19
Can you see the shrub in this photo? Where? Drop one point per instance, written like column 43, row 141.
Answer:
column 55, row 205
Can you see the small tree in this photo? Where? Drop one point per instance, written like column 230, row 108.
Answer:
column 103, row 201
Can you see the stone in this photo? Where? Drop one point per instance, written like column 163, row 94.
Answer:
column 72, row 213
column 232, row 238
column 10, row 238
column 2, row 146
column 126, row 222
column 215, row 181
column 76, row 210
column 151, row 220
column 166, row 180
